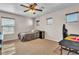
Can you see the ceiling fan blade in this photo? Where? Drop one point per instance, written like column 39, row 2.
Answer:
column 24, row 6
column 38, row 9
column 35, row 4
column 26, row 10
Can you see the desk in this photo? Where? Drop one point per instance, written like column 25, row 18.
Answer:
column 71, row 45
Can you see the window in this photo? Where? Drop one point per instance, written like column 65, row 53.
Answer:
column 37, row 22
column 8, row 25
column 72, row 17
column 49, row 21
column 1, row 36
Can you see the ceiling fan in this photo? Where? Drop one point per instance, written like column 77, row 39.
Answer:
column 32, row 8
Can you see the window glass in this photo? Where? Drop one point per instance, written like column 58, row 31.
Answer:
column 72, row 17
column 8, row 25
column 49, row 21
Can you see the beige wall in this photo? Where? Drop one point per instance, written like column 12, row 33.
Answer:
column 54, row 31
column 22, row 24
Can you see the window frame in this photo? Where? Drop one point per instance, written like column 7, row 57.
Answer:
column 3, row 26
column 71, row 14
column 49, row 19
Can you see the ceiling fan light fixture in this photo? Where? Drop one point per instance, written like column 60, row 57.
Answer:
column 32, row 8
column 32, row 11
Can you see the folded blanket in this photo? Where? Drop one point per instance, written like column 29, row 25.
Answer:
column 73, row 38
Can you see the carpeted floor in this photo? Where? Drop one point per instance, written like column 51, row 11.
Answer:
column 36, row 47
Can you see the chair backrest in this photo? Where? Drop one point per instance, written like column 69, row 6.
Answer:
column 65, row 31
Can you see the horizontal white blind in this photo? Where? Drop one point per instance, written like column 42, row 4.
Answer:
column 8, row 25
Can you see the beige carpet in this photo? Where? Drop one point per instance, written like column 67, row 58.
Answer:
column 36, row 47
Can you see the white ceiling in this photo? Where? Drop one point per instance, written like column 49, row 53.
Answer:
column 47, row 7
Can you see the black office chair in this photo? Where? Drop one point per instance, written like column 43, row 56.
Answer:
column 65, row 34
